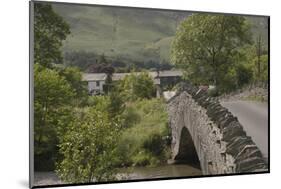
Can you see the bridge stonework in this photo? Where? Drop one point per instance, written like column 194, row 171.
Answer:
column 220, row 142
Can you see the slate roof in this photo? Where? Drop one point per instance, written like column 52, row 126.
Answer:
column 94, row 77
column 119, row 76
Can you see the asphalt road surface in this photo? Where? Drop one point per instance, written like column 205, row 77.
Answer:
column 254, row 118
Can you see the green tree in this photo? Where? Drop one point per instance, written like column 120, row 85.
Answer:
column 49, row 31
column 113, row 103
column 116, row 102
column 88, row 147
column 74, row 77
column 137, row 86
column 144, row 86
column 260, row 73
column 244, row 75
column 260, row 60
column 205, row 45
column 255, row 59
column 51, row 92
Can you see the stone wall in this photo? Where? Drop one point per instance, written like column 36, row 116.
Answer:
column 221, row 143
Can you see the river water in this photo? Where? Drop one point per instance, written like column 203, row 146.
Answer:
column 132, row 173
column 176, row 170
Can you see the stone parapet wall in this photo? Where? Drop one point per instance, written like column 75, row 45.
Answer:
column 221, row 143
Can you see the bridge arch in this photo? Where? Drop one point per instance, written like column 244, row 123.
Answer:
column 187, row 152
column 202, row 128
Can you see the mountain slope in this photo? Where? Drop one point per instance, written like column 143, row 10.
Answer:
column 141, row 35
column 119, row 32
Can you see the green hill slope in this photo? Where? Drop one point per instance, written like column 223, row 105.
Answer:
column 130, row 35
column 136, row 34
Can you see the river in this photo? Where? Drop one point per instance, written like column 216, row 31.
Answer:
column 132, row 173
column 176, row 170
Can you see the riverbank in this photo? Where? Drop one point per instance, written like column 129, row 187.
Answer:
column 130, row 173
column 175, row 170
column 46, row 178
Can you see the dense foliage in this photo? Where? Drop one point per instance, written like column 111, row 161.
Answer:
column 92, row 62
column 88, row 147
column 145, row 140
column 66, row 127
column 52, row 92
column 49, row 31
column 207, row 48
column 257, row 61
column 74, row 77
column 73, row 134
column 137, row 86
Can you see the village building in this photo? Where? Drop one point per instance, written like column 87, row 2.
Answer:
column 161, row 79
column 95, row 82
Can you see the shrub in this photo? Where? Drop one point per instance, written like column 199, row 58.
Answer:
column 135, row 87
column 244, row 75
column 143, row 142
column 88, row 147
column 131, row 117
column 154, row 144
column 142, row 158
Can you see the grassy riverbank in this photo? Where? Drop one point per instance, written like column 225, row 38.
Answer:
column 145, row 140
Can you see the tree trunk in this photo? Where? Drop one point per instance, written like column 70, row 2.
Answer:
column 259, row 55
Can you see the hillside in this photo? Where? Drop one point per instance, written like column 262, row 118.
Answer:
column 137, row 34
column 134, row 36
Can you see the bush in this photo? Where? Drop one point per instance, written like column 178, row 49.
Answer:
column 99, row 102
column 143, row 142
column 131, row 117
column 244, row 75
column 154, row 144
column 112, row 103
column 141, row 159
column 228, row 81
column 135, row 87
column 88, row 147
column 74, row 77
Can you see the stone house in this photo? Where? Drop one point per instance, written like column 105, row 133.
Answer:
column 96, row 81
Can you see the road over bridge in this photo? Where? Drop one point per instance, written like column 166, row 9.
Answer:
column 206, row 132
column 254, row 118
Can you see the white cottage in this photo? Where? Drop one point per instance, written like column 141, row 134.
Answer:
column 95, row 82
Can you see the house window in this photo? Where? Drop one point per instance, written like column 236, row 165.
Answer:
column 98, row 83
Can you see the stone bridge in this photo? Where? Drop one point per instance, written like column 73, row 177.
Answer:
column 205, row 132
